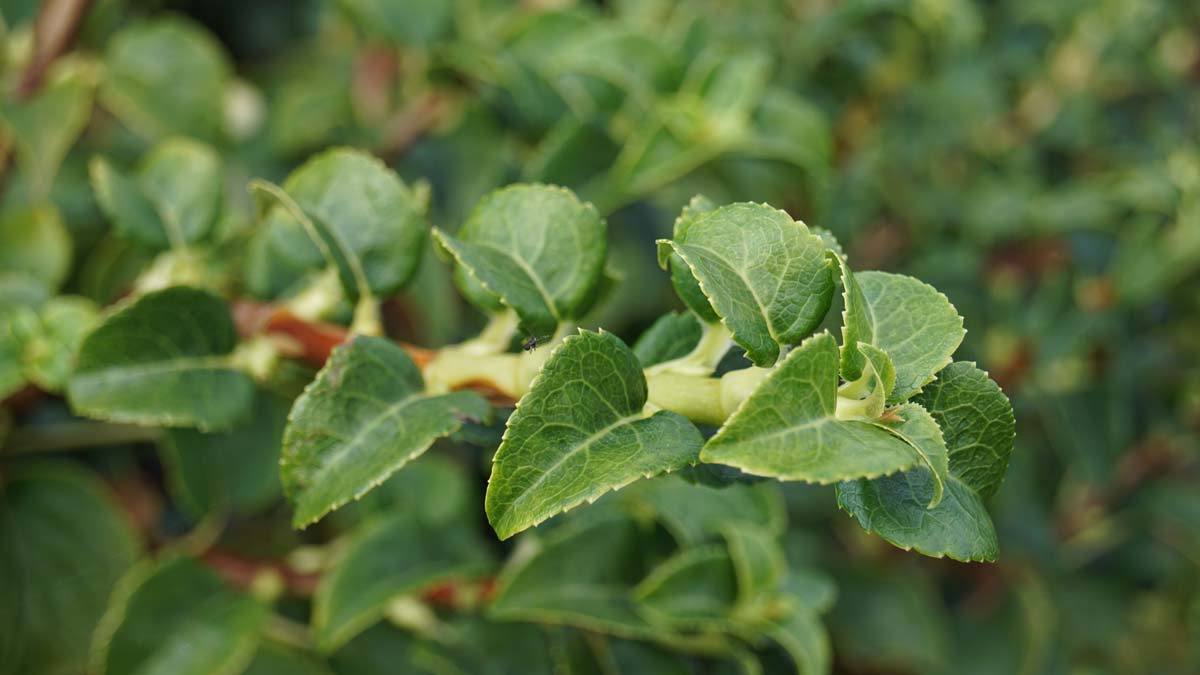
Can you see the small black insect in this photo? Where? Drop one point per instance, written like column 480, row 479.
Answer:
column 530, row 344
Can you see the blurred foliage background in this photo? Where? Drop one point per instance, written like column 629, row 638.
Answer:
column 1039, row 162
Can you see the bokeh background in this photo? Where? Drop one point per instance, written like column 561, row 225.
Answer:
column 1037, row 161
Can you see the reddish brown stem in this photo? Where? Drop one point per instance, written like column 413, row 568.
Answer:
column 54, row 30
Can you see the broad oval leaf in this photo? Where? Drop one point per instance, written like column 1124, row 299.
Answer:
column 64, row 543
column 671, row 336
column 45, row 127
column 976, row 420
column 580, row 432
column 910, row 320
column 788, row 428
column 365, row 216
column 163, row 359
column 35, row 245
column 695, row 514
column 165, row 77
column 537, row 249
column 765, row 274
column 696, row 589
column 361, row 419
column 176, row 617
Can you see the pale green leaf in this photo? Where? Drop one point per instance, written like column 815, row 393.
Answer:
column 911, row 321
column 758, row 564
column 237, row 470
column 361, row 419
column 163, row 359
column 694, row 589
column 788, row 427
column 183, row 179
column 580, row 432
column 391, row 555
column 50, row 348
column 367, row 220
column 805, row 640
column 766, row 275
column 176, row 617
column 671, row 336
column 166, row 76
column 912, row 423
column 581, row 576
column 64, row 543
column 537, row 248
column 976, row 421
column 35, row 244
column 45, row 127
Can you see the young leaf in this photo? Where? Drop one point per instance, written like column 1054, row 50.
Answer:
column 394, row 554
column 45, row 127
column 236, row 470
column 365, row 216
column 166, row 77
column 163, row 359
column 176, row 617
column 536, row 248
column 909, row 319
column 912, row 423
column 581, row 576
column 361, row 419
column 977, row 423
column 686, row 286
column 580, row 432
column 671, row 336
column 766, row 275
column 788, row 427
column 53, row 518
column 50, row 349
column 35, row 244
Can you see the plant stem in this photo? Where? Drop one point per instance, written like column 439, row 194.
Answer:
column 74, row 436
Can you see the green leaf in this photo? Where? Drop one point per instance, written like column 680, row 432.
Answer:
column 694, row 589
column 366, row 218
column 274, row 659
column 12, row 346
column 788, row 427
column 805, row 640
column 361, row 419
column 164, row 77
column 34, row 244
column 758, row 564
column 413, row 23
column 236, row 470
column 163, row 359
column 49, row 351
column 671, row 336
column 580, row 432
column 580, row 576
column 917, row 427
column 910, row 320
column 172, row 200
column 536, row 248
column 766, row 275
column 686, row 286
column 177, row 617
column 45, row 127
column 977, row 423
column 389, row 556
column 64, row 543
column 694, row 514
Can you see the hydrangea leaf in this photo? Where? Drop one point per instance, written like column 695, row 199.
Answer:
column 163, row 359
column 177, row 617
column 765, row 274
column 805, row 640
column 696, row 589
column 364, row 215
column 977, row 423
column 694, row 514
column 686, row 286
column 45, row 127
column 909, row 319
column 788, row 427
column 580, row 432
column 580, row 576
column 758, row 564
column 34, row 244
column 172, row 199
column 53, row 518
column 236, row 470
column 50, row 348
column 394, row 554
column 671, row 336
column 164, row 77
column 361, row 419
column 536, row 248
